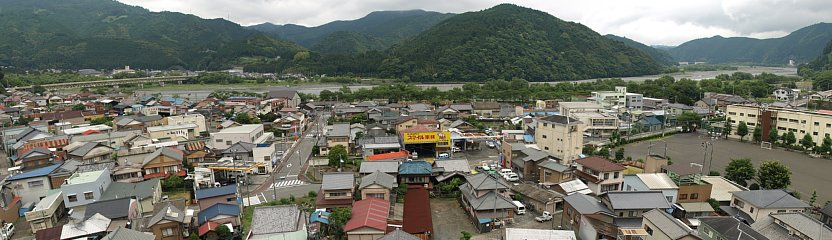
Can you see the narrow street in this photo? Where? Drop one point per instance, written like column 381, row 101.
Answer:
column 294, row 159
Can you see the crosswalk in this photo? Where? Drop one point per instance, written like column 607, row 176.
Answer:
column 288, row 183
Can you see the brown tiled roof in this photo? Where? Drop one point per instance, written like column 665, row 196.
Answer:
column 195, row 146
column 599, row 164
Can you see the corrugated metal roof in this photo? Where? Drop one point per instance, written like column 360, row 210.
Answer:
column 370, row 212
column 417, row 214
column 657, row 181
column 338, row 181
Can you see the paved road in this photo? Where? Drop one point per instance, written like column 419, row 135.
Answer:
column 292, row 163
column 808, row 174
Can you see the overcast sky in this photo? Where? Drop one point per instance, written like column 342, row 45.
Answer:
column 653, row 22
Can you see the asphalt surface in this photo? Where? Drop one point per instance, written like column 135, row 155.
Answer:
column 808, row 173
column 294, row 158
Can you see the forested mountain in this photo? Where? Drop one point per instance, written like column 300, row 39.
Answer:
column 508, row 41
column 376, row 31
column 822, row 63
column 802, row 46
column 660, row 55
column 74, row 34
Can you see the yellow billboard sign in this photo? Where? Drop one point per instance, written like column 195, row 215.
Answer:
column 442, row 138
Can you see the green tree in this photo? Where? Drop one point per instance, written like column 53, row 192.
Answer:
column 619, row 154
column 773, row 135
column 78, row 107
column 615, row 138
column 337, row 219
column 713, row 173
column 727, row 129
column 605, row 152
column 740, row 170
column 814, row 198
column 754, row 186
column 825, row 146
column 173, row 182
column 102, row 120
column 774, row 175
column 807, row 142
column 223, row 232
column 193, row 236
column 789, row 138
column 465, row 235
column 38, row 89
column 742, row 130
column 714, row 203
column 757, row 135
column 244, row 118
column 690, row 121
column 336, row 154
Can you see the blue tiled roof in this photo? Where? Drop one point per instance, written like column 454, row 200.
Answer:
column 40, row 172
column 216, row 210
column 528, row 138
column 415, row 167
column 213, row 192
column 652, row 120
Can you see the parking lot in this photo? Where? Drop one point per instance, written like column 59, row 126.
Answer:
column 808, row 173
column 449, row 220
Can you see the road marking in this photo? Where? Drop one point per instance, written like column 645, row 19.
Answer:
column 288, row 183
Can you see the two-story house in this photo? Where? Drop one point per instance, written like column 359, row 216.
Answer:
column 31, row 186
column 652, row 181
column 632, row 204
column 725, row 227
column 757, row 205
column 163, row 162
column 601, row 175
column 34, row 158
column 89, row 152
column 377, row 185
column 207, row 197
column 416, row 173
column 338, row 135
column 278, row 222
column 169, row 221
column 661, row 226
column 588, row 217
column 336, row 190
column 485, row 196
column 84, row 188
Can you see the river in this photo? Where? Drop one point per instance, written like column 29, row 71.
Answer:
column 316, row 89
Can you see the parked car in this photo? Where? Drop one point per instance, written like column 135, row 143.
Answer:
column 547, row 216
column 456, row 149
column 444, row 155
column 7, row 232
column 505, row 171
column 519, row 208
column 511, row 177
column 490, row 144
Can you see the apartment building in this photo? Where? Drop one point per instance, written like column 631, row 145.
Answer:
column 560, row 136
column 191, row 118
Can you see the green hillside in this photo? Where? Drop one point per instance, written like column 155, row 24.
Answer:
column 376, row 31
column 102, row 34
column 659, row 55
column 509, row 41
column 801, row 46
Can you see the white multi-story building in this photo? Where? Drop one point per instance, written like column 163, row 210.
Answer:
column 249, row 133
column 611, row 99
column 560, row 136
column 191, row 118
column 85, row 188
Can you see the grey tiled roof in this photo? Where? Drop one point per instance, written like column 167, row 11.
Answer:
column 122, row 233
column 112, row 209
column 553, row 165
column 770, row 199
column 380, row 178
column 166, row 151
column 454, row 165
column 383, row 166
column 636, row 200
column 488, row 201
column 484, row 181
column 398, row 234
column 731, row 228
column 167, row 212
column 804, row 224
column 340, row 130
column 276, row 219
column 586, row 204
column 142, row 190
column 96, row 167
column 673, row 228
column 338, row 181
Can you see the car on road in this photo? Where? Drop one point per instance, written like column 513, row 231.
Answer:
column 490, row 144
column 7, row 232
column 444, row 155
column 547, row 216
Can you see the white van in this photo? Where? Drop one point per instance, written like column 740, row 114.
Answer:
column 519, row 208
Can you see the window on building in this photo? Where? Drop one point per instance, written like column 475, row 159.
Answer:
column 72, row 198
column 88, row 196
column 544, row 136
column 694, row 196
column 815, row 133
column 606, row 176
column 803, row 121
column 648, row 229
column 615, row 175
column 781, row 211
column 167, row 232
column 547, row 148
column 219, row 140
column 739, row 203
column 545, row 124
column 35, row 184
column 337, row 194
column 829, row 125
column 631, row 213
column 752, row 209
column 683, row 196
column 376, row 195
column 228, row 143
column 742, row 114
column 817, row 124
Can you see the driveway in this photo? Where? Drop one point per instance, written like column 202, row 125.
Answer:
column 808, row 174
column 449, row 219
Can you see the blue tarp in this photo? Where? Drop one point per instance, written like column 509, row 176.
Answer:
column 484, row 220
column 528, row 138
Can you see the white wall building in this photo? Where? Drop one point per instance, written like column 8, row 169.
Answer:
column 250, row 133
